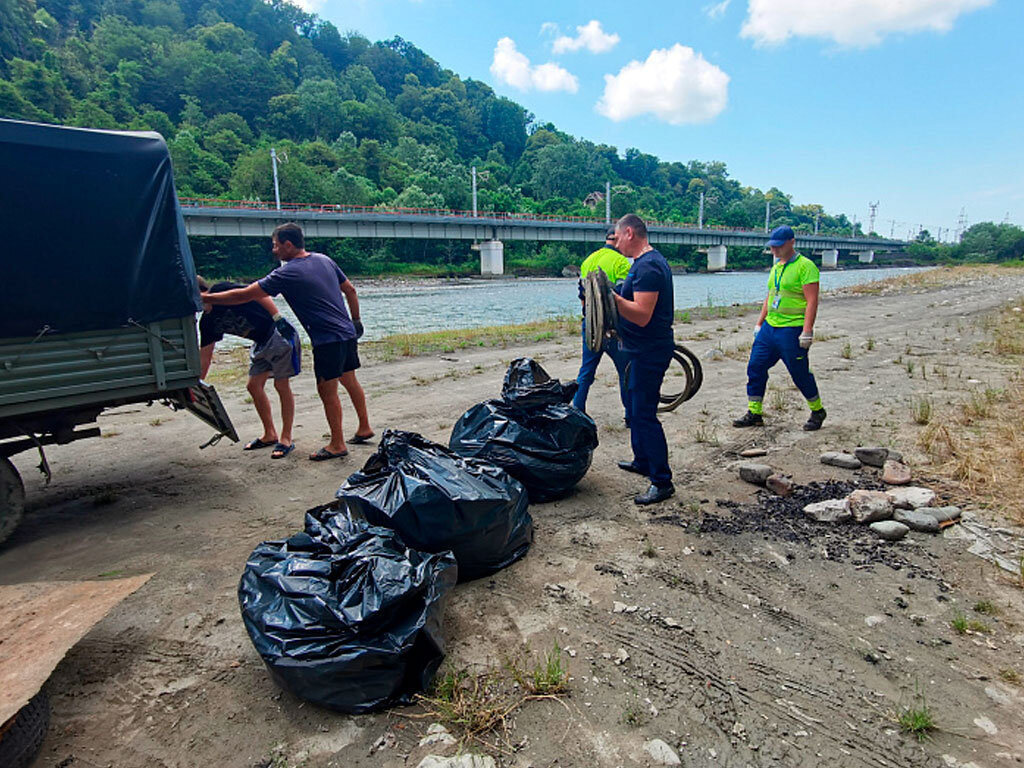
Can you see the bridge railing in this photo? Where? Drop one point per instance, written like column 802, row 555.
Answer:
column 379, row 210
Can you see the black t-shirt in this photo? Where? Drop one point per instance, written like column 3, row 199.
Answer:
column 249, row 320
column 650, row 272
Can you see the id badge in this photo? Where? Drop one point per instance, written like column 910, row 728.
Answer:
column 776, row 301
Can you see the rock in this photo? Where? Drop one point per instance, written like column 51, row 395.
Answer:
column 662, row 753
column 895, row 455
column 911, row 497
column 714, row 354
column 830, row 511
column 889, row 530
column 895, row 473
column 753, row 453
column 874, row 621
column 943, row 514
column 986, row 725
column 755, row 473
column 437, row 734
column 840, row 459
column 916, row 520
column 459, row 761
column 570, row 270
column 873, row 456
column 779, row 484
column 869, row 506
column 621, row 656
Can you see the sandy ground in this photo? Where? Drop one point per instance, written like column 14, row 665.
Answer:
column 746, row 648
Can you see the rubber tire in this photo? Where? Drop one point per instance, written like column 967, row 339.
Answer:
column 12, row 500
column 22, row 735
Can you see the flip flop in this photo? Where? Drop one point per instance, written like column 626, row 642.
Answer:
column 281, row 450
column 323, row 455
column 255, row 445
column 360, row 439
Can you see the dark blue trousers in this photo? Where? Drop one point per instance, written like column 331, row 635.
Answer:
column 650, row 451
column 588, row 369
column 774, row 344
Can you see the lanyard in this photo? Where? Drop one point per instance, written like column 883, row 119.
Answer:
column 778, row 275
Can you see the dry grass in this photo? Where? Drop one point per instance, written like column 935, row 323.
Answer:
column 978, row 444
column 416, row 344
column 932, row 278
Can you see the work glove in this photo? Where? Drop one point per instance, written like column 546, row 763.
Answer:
column 805, row 339
column 757, row 330
column 359, row 328
column 286, row 329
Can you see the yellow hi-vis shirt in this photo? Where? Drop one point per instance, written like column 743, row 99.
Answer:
column 786, row 303
column 614, row 264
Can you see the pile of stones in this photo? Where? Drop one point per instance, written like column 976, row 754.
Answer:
column 890, row 513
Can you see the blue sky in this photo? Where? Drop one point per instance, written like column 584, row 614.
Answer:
column 916, row 104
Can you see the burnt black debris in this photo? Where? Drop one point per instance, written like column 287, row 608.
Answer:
column 780, row 518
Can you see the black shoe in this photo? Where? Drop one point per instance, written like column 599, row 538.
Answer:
column 815, row 420
column 654, row 494
column 749, row 419
column 629, row 466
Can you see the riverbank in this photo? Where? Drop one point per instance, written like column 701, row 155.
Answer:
column 736, row 635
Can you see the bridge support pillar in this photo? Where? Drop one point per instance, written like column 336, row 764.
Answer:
column 716, row 258
column 492, row 257
column 830, row 258
column 866, row 257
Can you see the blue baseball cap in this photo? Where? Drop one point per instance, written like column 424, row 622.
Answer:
column 781, row 235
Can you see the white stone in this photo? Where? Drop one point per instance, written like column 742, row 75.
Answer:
column 437, row 734
column 459, row 761
column 869, row 506
column 828, row 511
column 986, row 725
column 911, row 497
column 661, row 752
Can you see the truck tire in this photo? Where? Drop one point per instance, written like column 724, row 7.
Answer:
column 12, row 500
column 23, row 734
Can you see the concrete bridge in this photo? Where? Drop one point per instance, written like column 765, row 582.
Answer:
column 246, row 219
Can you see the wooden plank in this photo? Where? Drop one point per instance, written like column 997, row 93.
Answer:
column 41, row 622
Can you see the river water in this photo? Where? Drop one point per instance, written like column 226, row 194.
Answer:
column 399, row 306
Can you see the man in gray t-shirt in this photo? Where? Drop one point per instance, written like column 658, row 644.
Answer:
column 314, row 287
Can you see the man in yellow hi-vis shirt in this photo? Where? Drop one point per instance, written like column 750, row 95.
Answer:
column 785, row 330
column 616, row 267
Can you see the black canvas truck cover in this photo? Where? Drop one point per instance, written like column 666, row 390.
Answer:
column 93, row 234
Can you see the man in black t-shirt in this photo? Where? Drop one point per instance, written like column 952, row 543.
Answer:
column 274, row 353
column 646, row 307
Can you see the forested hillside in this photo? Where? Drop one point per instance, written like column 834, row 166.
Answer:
column 359, row 123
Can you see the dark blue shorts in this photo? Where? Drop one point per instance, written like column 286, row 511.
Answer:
column 335, row 358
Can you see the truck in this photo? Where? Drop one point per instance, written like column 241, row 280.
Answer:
column 99, row 289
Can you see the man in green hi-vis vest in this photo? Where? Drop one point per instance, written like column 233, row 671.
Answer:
column 785, row 330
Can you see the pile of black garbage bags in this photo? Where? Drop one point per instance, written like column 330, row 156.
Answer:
column 532, row 432
column 347, row 613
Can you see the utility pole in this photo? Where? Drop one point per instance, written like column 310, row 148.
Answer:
column 873, row 207
column 767, row 214
column 817, row 216
column 892, row 229
column 277, row 190
column 608, row 202
column 474, row 191
column 700, row 213
column 961, row 225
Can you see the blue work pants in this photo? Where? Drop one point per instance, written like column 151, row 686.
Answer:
column 650, row 451
column 588, row 368
column 771, row 345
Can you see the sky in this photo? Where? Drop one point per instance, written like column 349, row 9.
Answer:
column 914, row 104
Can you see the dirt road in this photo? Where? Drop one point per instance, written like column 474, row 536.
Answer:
column 735, row 639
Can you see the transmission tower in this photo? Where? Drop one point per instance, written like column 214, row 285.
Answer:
column 873, row 207
column 961, row 224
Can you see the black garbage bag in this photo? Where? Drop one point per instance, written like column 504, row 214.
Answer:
column 437, row 500
column 532, row 432
column 344, row 614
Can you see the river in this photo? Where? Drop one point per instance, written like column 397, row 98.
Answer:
column 411, row 306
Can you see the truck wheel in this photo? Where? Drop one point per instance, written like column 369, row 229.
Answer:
column 22, row 735
column 12, row 499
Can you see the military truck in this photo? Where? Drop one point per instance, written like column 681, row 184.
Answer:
column 99, row 292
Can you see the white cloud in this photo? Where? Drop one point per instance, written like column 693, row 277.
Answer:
column 549, row 28
column 677, row 85
column 589, row 36
column 717, row 10
column 851, row 23
column 512, row 67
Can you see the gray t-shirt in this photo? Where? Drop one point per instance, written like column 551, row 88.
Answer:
column 311, row 286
